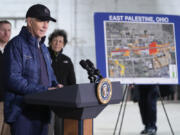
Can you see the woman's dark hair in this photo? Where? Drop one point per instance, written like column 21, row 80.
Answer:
column 58, row 32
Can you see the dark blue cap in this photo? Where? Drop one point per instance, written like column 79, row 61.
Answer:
column 40, row 12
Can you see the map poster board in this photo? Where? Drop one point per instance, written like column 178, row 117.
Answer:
column 138, row 48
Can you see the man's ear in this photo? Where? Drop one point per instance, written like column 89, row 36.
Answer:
column 29, row 21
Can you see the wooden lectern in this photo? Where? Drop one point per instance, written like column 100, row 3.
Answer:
column 76, row 104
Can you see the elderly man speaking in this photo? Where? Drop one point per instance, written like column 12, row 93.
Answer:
column 28, row 70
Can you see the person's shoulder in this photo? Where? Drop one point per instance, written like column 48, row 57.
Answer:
column 65, row 57
column 14, row 41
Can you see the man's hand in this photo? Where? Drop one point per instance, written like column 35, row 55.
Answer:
column 52, row 88
column 58, row 86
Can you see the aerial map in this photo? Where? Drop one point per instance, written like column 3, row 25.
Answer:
column 140, row 50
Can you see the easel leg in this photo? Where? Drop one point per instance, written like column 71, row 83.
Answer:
column 124, row 101
column 165, row 112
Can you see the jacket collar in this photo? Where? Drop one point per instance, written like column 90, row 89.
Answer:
column 54, row 54
column 29, row 37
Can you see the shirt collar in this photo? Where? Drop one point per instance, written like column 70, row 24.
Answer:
column 2, row 49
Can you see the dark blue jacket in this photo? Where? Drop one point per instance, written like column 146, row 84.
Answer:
column 22, row 72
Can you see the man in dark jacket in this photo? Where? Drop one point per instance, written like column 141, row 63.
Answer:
column 63, row 69
column 148, row 95
column 5, row 33
column 28, row 70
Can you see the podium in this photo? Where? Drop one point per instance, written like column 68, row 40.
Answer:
column 76, row 104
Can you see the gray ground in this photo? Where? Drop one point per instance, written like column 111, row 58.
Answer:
column 104, row 124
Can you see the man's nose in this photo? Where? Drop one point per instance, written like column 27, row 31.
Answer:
column 46, row 24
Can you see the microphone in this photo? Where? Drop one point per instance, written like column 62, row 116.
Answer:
column 94, row 74
column 90, row 64
column 96, row 71
column 90, row 71
column 84, row 64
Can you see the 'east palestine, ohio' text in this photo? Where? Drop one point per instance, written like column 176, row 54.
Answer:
column 138, row 18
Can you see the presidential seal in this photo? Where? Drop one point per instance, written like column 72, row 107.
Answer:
column 104, row 91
